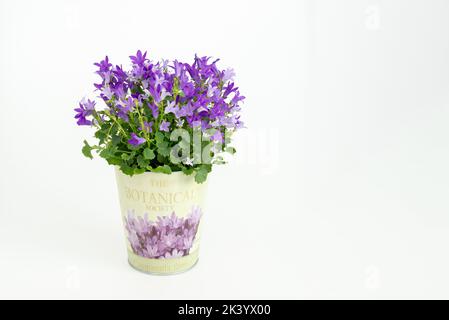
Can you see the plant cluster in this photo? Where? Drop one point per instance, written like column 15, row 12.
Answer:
column 154, row 110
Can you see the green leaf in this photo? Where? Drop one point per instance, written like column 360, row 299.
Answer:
column 148, row 154
column 108, row 152
column 87, row 150
column 160, row 158
column 230, row 150
column 101, row 136
column 159, row 136
column 142, row 162
column 115, row 139
column 202, row 172
column 127, row 169
column 200, row 176
column 187, row 171
column 163, row 149
column 163, row 169
column 105, row 153
column 139, row 170
column 114, row 161
column 125, row 156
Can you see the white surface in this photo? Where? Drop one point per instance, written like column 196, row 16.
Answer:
column 340, row 187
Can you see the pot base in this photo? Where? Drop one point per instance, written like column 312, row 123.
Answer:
column 163, row 266
column 164, row 274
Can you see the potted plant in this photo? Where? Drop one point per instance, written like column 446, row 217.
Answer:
column 163, row 125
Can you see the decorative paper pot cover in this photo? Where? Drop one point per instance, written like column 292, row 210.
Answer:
column 161, row 215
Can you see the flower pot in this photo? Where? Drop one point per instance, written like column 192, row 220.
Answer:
column 161, row 215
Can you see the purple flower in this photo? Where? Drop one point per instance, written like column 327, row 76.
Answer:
column 90, row 105
column 237, row 98
column 228, row 74
column 147, row 126
column 119, row 91
column 103, row 65
column 120, row 74
column 123, row 108
column 142, row 225
column 134, row 241
column 186, row 110
column 165, row 126
column 169, row 240
column 135, row 140
column 179, row 68
column 195, row 215
column 85, row 109
column 213, row 92
column 204, row 68
column 151, row 251
column 172, row 108
column 175, row 222
column 174, row 254
column 169, row 237
column 187, row 242
column 179, row 123
column 158, row 93
column 106, row 93
column 139, row 59
column 163, row 222
column 229, row 89
column 196, row 124
column 217, row 136
column 154, row 110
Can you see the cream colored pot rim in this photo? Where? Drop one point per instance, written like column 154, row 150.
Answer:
column 117, row 168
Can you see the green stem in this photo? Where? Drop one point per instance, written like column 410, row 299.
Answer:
column 142, row 125
column 97, row 117
column 119, row 125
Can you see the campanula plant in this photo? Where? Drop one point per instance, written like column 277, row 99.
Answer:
column 162, row 116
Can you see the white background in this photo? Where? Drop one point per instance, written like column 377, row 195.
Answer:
column 340, row 186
